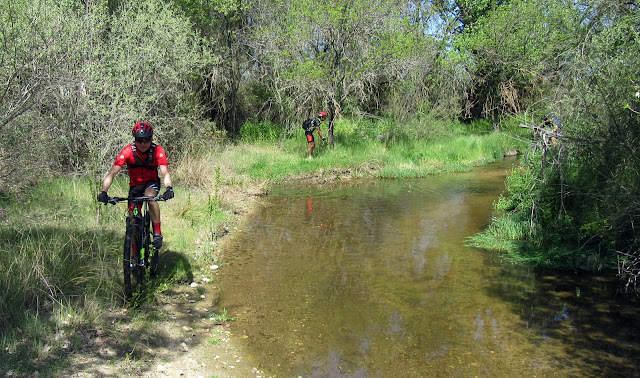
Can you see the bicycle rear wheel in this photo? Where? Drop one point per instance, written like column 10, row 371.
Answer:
column 155, row 257
column 133, row 273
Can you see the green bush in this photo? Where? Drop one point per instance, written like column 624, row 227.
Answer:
column 259, row 131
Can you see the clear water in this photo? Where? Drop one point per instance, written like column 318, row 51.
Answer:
column 372, row 278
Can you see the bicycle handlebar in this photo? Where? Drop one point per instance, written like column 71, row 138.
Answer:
column 114, row 200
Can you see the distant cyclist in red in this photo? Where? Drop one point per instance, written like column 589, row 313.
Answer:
column 310, row 126
column 143, row 158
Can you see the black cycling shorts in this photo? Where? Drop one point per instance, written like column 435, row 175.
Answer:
column 138, row 190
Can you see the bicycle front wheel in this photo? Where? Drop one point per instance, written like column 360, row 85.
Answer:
column 133, row 272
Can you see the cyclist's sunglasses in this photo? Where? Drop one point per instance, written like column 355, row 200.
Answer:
column 143, row 140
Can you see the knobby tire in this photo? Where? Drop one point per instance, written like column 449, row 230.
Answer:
column 154, row 261
column 133, row 275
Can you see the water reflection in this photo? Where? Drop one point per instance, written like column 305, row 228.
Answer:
column 372, row 278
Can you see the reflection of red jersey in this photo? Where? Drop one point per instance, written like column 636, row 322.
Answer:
column 143, row 169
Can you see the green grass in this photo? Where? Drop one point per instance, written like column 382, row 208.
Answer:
column 214, row 340
column 550, row 240
column 504, row 234
column 223, row 317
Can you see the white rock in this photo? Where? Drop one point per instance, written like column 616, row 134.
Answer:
column 160, row 368
column 194, row 284
column 213, row 267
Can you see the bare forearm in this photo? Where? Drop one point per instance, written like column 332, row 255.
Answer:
column 166, row 177
column 108, row 179
column 106, row 183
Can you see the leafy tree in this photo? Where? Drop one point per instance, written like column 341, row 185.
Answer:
column 225, row 25
column 603, row 131
column 335, row 55
column 36, row 42
column 142, row 68
column 516, row 52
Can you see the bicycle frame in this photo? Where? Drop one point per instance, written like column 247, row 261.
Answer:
column 138, row 251
column 139, row 218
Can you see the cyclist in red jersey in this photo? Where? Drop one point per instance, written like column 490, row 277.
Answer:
column 143, row 158
column 315, row 124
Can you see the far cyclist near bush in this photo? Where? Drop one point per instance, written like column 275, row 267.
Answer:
column 143, row 159
column 309, row 127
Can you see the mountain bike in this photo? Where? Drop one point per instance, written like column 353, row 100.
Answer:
column 140, row 258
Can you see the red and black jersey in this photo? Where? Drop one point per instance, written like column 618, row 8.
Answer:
column 143, row 167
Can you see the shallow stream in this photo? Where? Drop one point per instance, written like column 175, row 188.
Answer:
column 372, row 278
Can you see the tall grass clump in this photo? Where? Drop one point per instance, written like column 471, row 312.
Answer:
column 457, row 153
column 354, row 131
column 523, row 236
column 54, row 259
column 52, row 250
column 52, row 265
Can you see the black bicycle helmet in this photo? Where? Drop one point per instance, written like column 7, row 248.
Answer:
column 142, row 130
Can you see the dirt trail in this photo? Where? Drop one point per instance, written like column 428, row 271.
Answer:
column 184, row 341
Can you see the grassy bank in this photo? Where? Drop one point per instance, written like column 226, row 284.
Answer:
column 60, row 266
column 359, row 150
